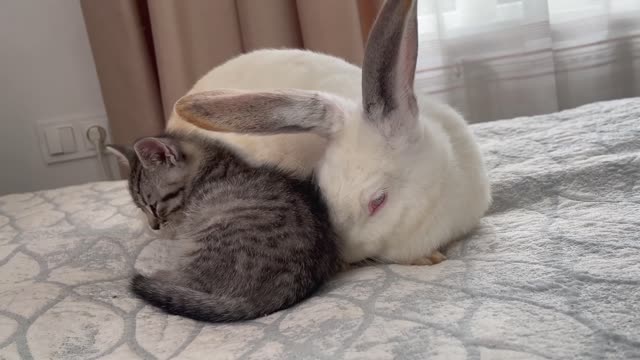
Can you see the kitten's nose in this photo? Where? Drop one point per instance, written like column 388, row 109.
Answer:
column 154, row 225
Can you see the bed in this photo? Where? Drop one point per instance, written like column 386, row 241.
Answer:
column 552, row 272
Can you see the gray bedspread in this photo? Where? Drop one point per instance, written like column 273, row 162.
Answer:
column 553, row 271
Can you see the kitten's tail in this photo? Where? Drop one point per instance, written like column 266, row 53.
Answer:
column 197, row 305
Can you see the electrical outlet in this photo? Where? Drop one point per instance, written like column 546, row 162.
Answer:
column 65, row 139
column 85, row 126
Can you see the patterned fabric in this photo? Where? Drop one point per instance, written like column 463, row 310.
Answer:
column 553, row 272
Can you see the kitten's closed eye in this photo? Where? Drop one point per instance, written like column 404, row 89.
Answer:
column 171, row 202
column 172, row 195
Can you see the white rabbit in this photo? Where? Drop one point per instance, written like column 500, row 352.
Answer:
column 402, row 176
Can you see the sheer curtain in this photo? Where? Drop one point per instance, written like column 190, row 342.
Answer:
column 494, row 59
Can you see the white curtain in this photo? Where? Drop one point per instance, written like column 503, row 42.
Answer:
column 495, row 59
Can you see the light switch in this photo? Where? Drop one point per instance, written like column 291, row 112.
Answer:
column 67, row 139
column 60, row 140
column 53, row 141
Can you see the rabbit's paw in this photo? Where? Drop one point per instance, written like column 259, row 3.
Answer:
column 435, row 257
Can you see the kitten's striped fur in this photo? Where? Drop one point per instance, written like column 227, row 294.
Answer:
column 260, row 240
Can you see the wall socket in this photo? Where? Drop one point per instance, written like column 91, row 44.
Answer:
column 65, row 139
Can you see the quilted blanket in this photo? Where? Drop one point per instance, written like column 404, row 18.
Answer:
column 552, row 272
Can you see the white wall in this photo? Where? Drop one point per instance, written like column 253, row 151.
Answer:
column 46, row 71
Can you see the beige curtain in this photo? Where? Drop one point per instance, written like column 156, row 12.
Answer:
column 148, row 53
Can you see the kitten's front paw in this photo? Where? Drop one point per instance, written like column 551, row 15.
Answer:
column 435, row 257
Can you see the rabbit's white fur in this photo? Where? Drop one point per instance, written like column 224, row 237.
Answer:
column 431, row 168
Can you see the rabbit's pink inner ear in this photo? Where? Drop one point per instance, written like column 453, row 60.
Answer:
column 272, row 112
column 389, row 66
column 409, row 49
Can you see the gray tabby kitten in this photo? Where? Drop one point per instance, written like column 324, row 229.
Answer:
column 261, row 241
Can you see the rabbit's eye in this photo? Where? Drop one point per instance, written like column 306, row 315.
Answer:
column 376, row 203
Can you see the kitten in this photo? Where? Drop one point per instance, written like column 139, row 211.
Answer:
column 260, row 240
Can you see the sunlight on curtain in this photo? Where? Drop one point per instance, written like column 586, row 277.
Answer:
column 494, row 59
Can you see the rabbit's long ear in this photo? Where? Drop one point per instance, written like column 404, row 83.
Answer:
column 389, row 66
column 268, row 112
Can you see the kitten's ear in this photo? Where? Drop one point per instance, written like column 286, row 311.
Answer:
column 153, row 151
column 124, row 154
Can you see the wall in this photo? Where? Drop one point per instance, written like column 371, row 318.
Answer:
column 46, row 71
